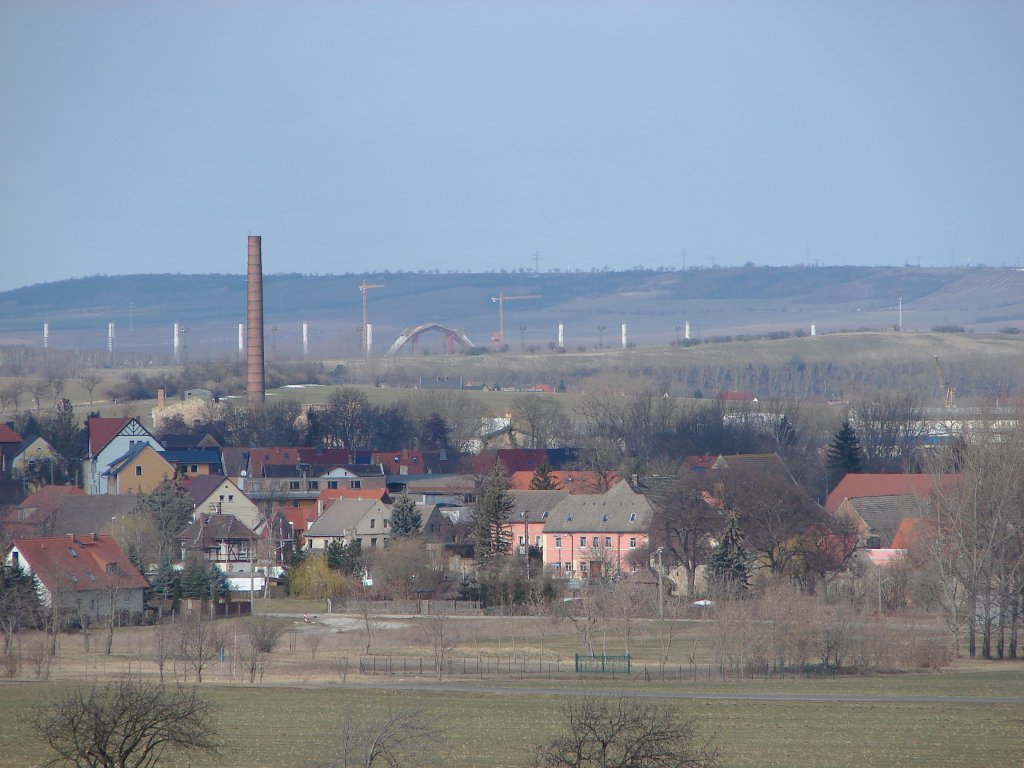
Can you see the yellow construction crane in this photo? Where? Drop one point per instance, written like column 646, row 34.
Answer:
column 501, row 298
column 363, row 288
column 947, row 392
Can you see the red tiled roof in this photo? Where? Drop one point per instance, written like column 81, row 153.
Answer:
column 324, row 455
column 102, row 431
column 573, row 481
column 85, row 562
column 258, row 457
column 48, row 497
column 8, row 435
column 860, row 485
column 519, row 459
column 700, row 462
column 909, row 531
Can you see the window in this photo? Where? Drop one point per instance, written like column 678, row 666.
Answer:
column 632, row 542
column 608, row 542
column 90, row 576
column 222, row 497
column 286, row 454
column 557, row 566
column 332, row 484
column 583, row 566
column 545, row 515
column 522, row 541
column 632, row 517
column 295, row 503
column 354, row 484
column 231, row 497
column 593, row 542
column 536, row 541
column 568, row 567
column 138, row 470
column 558, row 542
column 194, row 468
column 385, row 522
column 111, row 568
column 373, row 542
column 583, row 542
column 373, row 522
column 314, row 485
column 71, row 551
column 293, row 485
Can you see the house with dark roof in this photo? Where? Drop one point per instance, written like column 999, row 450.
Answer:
column 76, row 513
column 191, row 462
column 218, row 494
column 140, row 470
column 34, row 451
column 348, row 520
column 877, row 518
column 88, row 575
column 223, row 540
column 109, row 440
column 529, row 515
column 587, row 536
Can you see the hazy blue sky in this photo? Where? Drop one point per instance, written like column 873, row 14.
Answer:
column 154, row 136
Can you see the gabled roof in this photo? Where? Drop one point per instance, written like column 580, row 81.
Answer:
column 572, row 480
column 883, row 514
column 201, row 486
column 699, row 463
column 78, row 513
column 117, row 465
column 620, row 510
column 235, row 460
column 270, row 455
column 81, row 562
column 8, row 435
column 859, row 485
column 320, row 455
column 102, row 430
column 25, row 444
column 534, row 506
column 47, row 498
column 450, row 483
column 909, row 532
column 520, row 459
column 342, row 516
column 207, row 529
column 765, row 463
column 188, row 440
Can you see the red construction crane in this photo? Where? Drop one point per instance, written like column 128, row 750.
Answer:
column 500, row 299
column 363, row 288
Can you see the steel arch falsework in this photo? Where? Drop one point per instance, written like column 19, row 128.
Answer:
column 451, row 336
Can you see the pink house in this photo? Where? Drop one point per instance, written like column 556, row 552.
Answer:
column 589, row 535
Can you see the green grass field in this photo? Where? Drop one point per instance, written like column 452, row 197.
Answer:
column 291, row 726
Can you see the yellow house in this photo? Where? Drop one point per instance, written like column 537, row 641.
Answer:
column 140, row 470
column 216, row 494
column 31, row 451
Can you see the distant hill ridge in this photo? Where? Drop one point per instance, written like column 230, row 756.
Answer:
column 716, row 301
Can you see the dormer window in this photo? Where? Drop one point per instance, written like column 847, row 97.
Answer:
column 72, row 552
column 632, row 517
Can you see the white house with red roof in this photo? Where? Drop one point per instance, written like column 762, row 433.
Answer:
column 87, row 574
column 109, row 440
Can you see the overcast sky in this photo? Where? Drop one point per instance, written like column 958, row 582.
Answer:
column 354, row 136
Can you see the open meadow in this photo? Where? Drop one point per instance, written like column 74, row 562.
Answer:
column 312, row 685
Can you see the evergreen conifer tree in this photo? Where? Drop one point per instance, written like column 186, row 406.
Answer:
column 493, row 507
column 542, row 479
column 729, row 568
column 405, row 518
column 844, row 454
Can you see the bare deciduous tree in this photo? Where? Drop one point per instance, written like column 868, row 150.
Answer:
column 197, row 643
column 124, row 724
column 404, row 738
column 625, row 733
column 440, row 635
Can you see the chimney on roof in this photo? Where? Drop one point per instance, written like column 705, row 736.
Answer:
column 95, row 536
column 254, row 372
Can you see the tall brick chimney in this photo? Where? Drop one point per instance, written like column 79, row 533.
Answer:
column 255, row 382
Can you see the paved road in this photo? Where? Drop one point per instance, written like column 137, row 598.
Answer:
column 799, row 697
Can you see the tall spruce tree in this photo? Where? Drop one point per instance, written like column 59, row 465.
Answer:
column 405, row 518
column 729, row 567
column 844, row 454
column 492, row 538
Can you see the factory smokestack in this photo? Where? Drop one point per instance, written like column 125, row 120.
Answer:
column 254, row 379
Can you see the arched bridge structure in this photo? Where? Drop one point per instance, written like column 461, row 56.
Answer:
column 412, row 335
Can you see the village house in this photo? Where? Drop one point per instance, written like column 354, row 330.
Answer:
column 88, row 575
column 597, row 536
column 33, row 452
column 111, row 439
column 141, row 470
column 223, row 540
column 365, row 520
column 219, row 494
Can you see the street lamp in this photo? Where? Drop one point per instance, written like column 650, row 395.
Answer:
column 661, row 588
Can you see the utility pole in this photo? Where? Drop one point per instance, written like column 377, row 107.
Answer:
column 661, row 588
column 363, row 288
